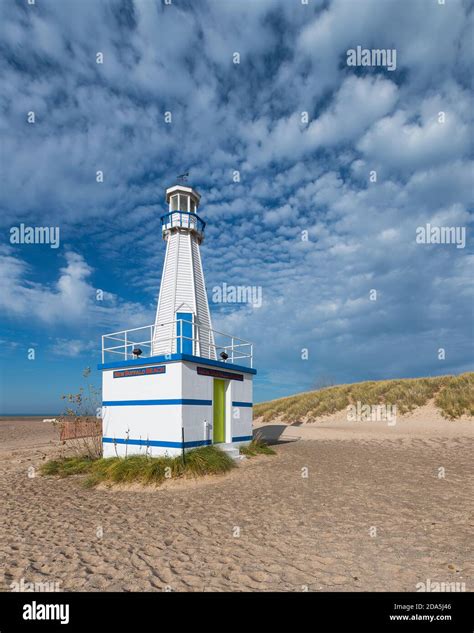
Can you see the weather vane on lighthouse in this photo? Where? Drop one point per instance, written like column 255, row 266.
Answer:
column 182, row 178
column 177, row 384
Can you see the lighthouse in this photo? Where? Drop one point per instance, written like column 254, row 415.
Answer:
column 177, row 384
column 183, row 291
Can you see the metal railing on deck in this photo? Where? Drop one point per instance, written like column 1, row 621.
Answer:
column 199, row 340
column 183, row 219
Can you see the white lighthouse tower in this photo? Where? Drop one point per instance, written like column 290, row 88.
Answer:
column 183, row 291
column 177, row 384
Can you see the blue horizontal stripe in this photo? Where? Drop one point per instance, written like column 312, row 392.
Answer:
column 120, row 440
column 172, row 358
column 242, row 404
column 242, row 438
column 132, row 403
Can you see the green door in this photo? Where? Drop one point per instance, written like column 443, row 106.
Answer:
column 219, row 411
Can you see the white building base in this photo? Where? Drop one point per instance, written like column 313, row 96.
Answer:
column 164, row 404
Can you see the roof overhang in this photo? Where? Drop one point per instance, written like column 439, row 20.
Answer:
column 182, row 189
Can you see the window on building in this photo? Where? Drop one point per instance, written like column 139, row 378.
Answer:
column 174, row 203
column 183, row 202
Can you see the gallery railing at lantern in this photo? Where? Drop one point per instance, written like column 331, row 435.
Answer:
column 183, row 219
column 176, row 337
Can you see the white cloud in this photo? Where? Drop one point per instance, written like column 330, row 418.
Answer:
column 72, row 348
column 70, row 300
column 398, row 144
column 358, row 103
column 294, row 177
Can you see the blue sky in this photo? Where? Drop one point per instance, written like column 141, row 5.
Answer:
column 297, row 174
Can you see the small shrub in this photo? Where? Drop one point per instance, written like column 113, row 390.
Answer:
column 77, row 427
column 256, row 447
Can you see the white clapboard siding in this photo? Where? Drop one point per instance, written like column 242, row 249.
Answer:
column 165, row 314
column 182, row 290
column 204, row 334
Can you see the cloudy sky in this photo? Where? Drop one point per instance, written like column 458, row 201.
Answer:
column 338, row 166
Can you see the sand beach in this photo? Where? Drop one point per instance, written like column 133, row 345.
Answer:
column 341, row 507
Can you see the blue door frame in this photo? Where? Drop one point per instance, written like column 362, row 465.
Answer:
column 184, row 345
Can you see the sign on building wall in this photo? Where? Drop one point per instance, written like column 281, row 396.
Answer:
column 218, row 373
column 140, row 371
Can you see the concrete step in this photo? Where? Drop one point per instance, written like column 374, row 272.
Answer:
column 231, row 450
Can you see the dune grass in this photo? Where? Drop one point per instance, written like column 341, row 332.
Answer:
column 256, row 447
column 67, row 466
column 457, row 396
column 453, row 395
column 142, row 469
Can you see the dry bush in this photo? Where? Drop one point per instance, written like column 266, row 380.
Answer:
column 80, row 427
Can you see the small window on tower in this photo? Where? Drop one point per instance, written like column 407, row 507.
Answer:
column 183, row 202
column 174, row 203
column 193, row 206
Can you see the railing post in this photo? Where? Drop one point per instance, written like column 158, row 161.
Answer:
column 182, row 445
column 197, row 337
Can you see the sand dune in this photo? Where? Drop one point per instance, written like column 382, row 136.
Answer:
column 424, row 422
column 296, row 533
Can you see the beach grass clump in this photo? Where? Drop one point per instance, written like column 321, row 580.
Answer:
column 453, row 395
column 457, row 396
column 67, row 466
column 256, row 447
column 208, row 460
column 142, row 469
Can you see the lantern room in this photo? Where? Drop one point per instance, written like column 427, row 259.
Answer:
column 182, row 198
